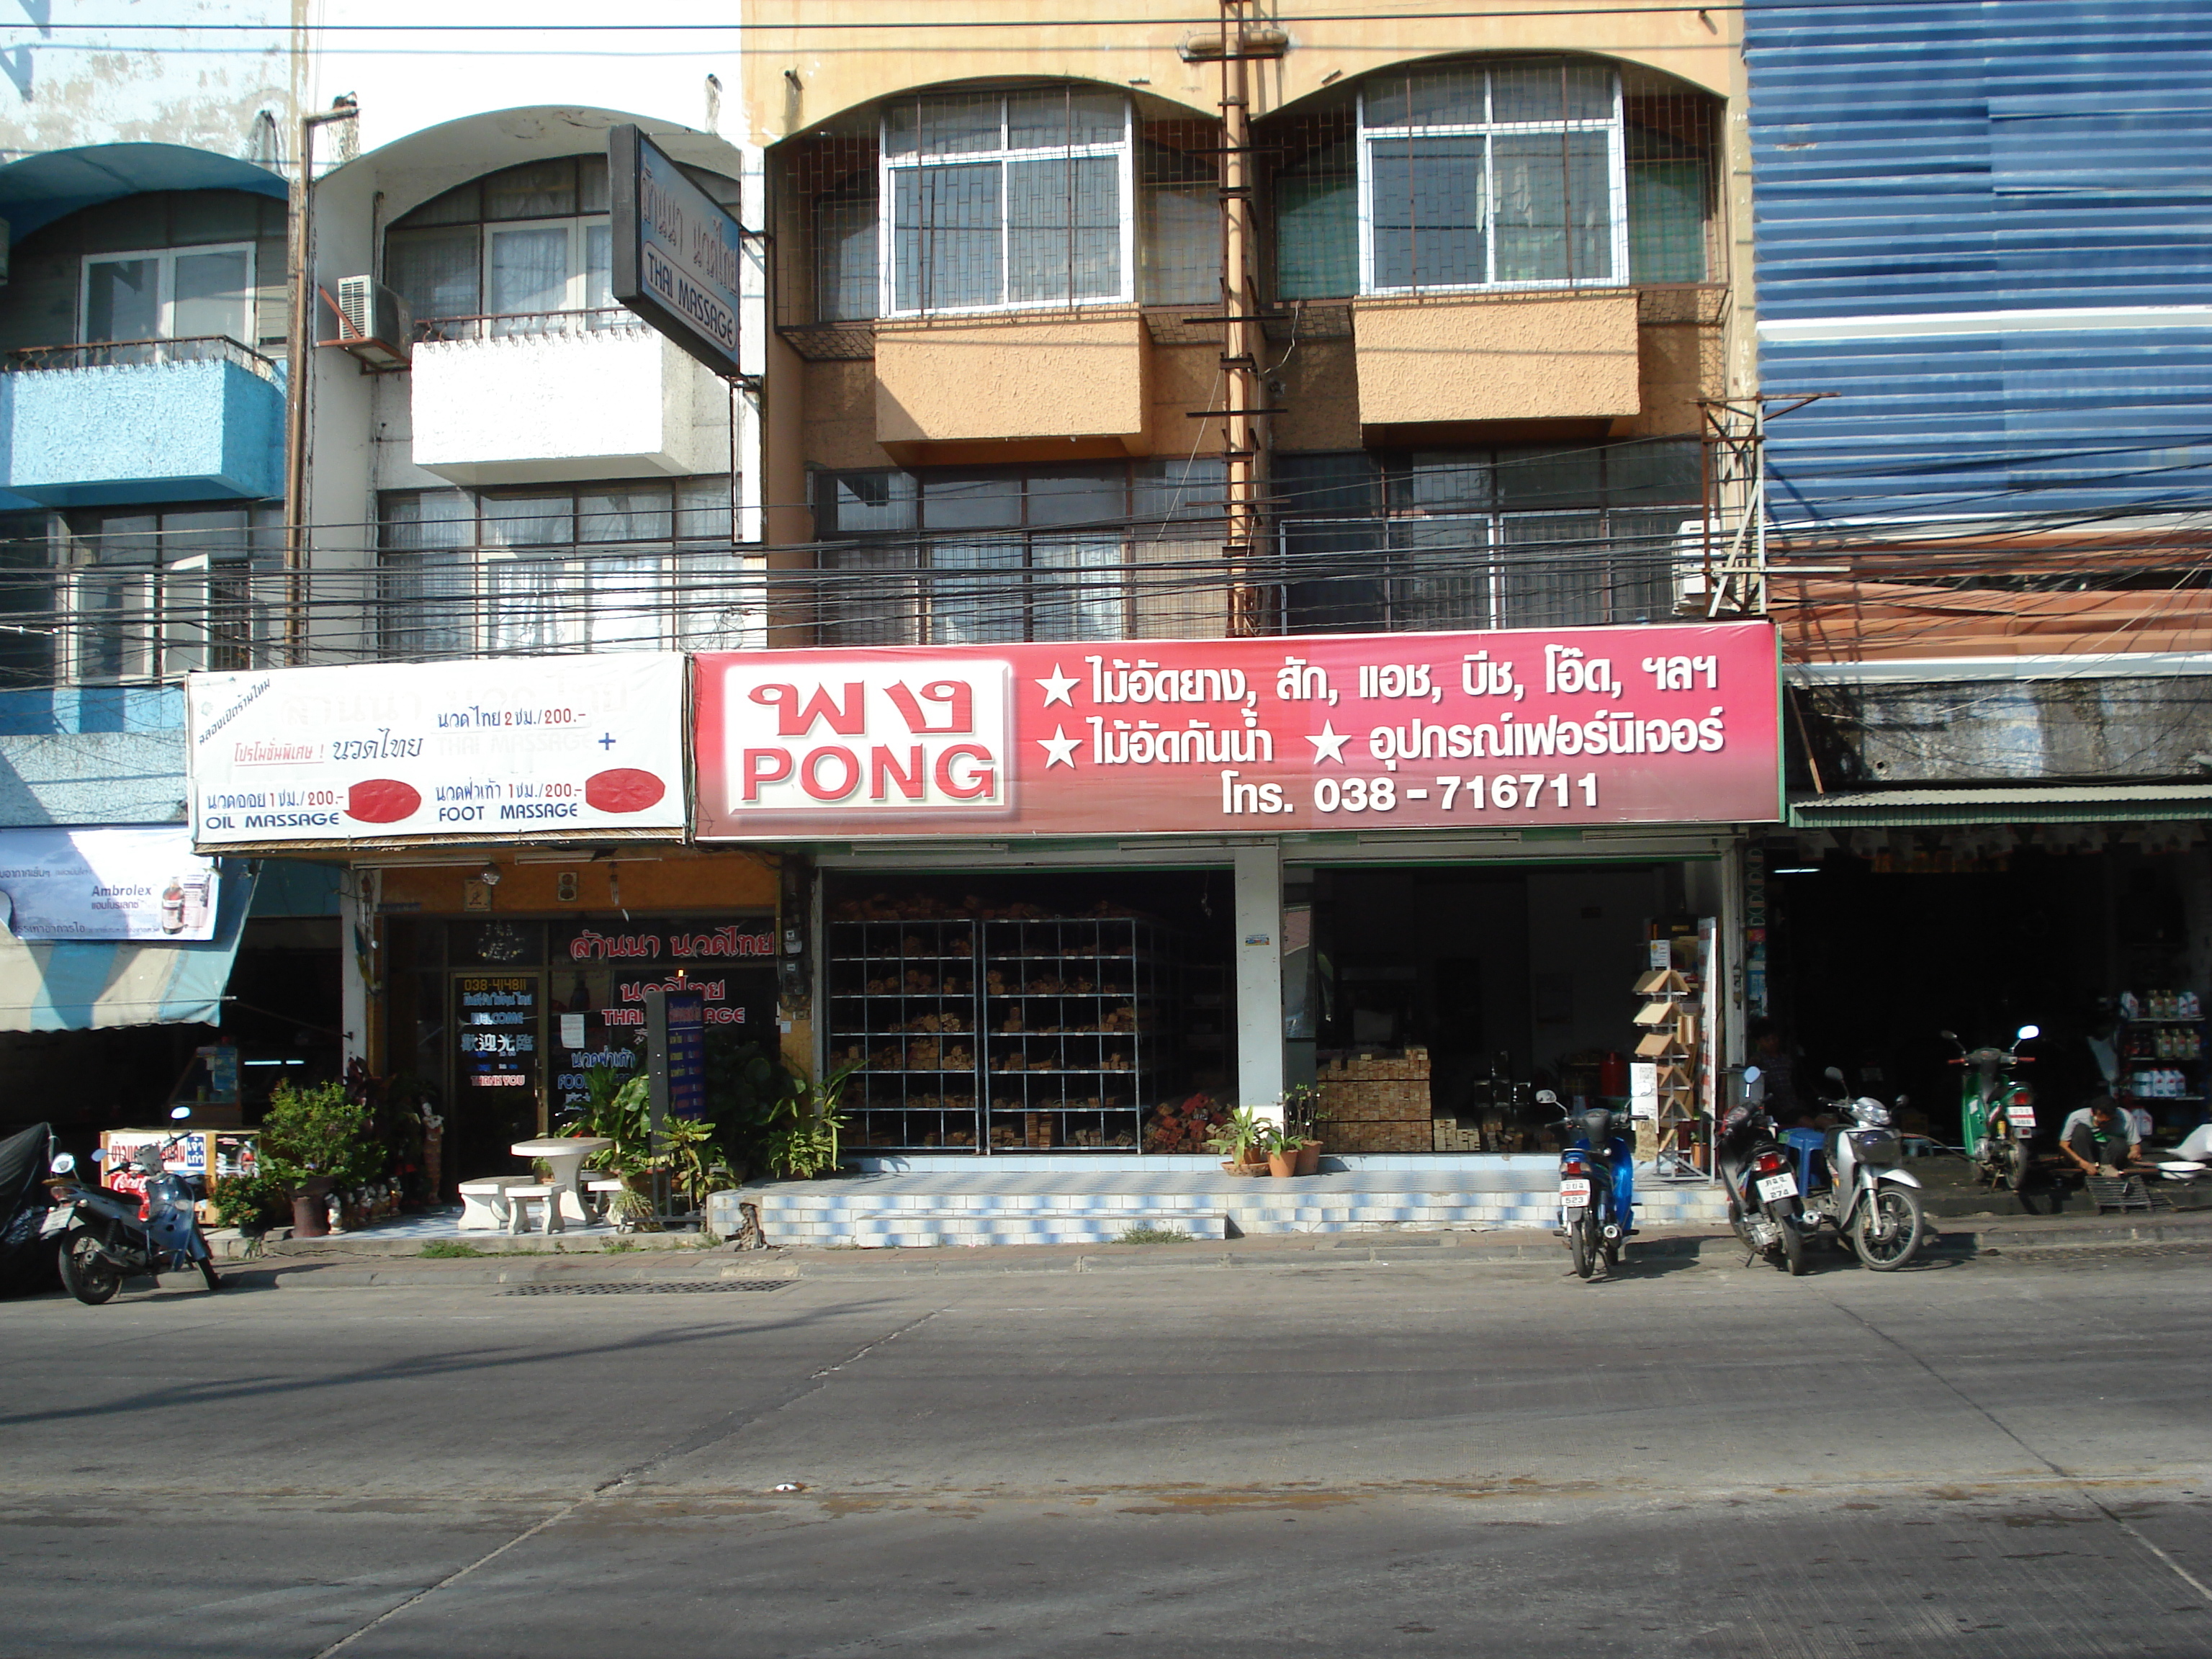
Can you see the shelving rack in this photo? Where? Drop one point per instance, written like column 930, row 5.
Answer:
column 1021, row 1034
column 2171, row 1042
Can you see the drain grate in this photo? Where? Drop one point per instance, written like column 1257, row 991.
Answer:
column 678, row 1288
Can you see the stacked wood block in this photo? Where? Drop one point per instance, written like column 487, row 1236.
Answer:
column 1376, row 1102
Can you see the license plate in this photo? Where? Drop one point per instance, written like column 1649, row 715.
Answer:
column 1575, row 1195
column 1782, row 1186
column 2022, row 1118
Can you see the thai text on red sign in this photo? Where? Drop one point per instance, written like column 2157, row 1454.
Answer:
column 1671, row 725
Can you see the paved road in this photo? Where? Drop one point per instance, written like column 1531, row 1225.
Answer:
column 1991, row 1458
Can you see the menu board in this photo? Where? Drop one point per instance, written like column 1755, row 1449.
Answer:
column 497, row 1014
column 676, row 1036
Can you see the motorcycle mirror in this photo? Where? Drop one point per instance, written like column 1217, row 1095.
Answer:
column 1949, row 1037
column 1834, row 1074
column 1752, row 1074
column 2028, row 1032
column 1900, row 1102
column 1545, row 1097
column 63, row 1162
column 180, row 1114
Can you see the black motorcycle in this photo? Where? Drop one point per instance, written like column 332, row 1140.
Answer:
column 101, row 1235
column 1765, row 1207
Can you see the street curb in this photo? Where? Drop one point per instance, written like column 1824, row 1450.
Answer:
column 1303, row 1251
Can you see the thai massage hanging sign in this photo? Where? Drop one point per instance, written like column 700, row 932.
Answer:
column 1580, row 726
column 547, row 748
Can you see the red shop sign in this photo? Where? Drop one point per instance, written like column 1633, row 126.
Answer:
column 1595, row 725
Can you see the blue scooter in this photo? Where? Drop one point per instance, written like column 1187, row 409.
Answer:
column 1597, row 1190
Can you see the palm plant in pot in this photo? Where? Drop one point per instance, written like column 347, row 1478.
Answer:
column 1284, row 1144
column 1243, row 1141
column 312, row 1140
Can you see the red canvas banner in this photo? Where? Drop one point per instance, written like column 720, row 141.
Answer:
column 1572, row 726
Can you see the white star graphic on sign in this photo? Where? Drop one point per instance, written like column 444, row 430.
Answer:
column 1057, row 685
column 1330, row 745
column 1060, row 748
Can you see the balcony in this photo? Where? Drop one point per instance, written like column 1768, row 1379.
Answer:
column 1063, row 386
column 1445, row 360
column 130, row 421
column 567, row 396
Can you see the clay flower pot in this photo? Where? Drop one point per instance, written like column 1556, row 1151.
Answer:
column 1309, row 1158
column 1282, row 1165
column 311, row 1210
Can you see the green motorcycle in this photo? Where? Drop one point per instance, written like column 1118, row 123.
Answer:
column 1997, row 1108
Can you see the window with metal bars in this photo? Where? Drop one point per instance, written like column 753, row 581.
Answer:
column 646, row 566
column 1509, row 538
column 1116, row 550
column 1527, row 173
column 994, row 199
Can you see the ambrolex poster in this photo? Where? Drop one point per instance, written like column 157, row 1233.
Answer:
column 506, row 749
column 1579, row 727
column 120, row 884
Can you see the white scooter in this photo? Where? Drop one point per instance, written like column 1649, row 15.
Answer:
column 102, row 1235
column 1870, row 1199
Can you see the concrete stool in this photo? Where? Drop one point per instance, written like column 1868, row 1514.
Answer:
column 484, row 1203
column 603, row 1190
column 546, row 1195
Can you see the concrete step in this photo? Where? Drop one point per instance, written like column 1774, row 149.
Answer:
column 909, row 1228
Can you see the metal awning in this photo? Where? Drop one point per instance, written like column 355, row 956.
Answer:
column 2100, row 803
column 82, row 985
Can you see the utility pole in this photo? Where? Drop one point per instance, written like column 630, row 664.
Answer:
column 299, row 343
column 1245, row 448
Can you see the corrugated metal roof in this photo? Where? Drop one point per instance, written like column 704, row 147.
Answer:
column 2096, row 803
column 1977, row 158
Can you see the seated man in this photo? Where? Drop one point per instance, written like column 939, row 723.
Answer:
column 2099, row 1139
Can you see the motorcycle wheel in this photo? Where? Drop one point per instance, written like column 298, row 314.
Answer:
column 2016, row 1165
column 88, row 1276
column 1793, row 1243
column 1887, row 1243
column 1578, row 1242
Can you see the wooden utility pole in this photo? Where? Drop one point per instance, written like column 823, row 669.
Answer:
column 1245, row 449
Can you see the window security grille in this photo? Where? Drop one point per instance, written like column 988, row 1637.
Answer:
column 1529, row 173
column 1005, row 199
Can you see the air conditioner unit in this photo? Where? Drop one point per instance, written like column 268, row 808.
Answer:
column 373, row 323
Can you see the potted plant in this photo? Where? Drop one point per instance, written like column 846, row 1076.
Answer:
column 314, row 1139
column 1303, row 1115
column 804, row 1126
column 1244, row 1138
column 1284, row 1146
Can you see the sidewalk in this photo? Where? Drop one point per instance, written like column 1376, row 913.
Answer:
column 677, row 1261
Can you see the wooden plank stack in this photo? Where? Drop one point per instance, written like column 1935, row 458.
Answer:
column 1376, row 1102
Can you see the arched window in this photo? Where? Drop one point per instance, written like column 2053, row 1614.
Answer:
column 997, row 198
column 1486, row 174
column 514, row 251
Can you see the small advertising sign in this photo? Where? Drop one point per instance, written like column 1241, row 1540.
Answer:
column 676, row 1054
column 501, row 750
column 107, row 883
column 678, row 252
column 1537, row 727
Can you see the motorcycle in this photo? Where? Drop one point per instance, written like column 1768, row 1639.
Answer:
column 101, row 1235
column 1869, row 1199
column 1766, row 1206
column 1593, row 1232
column 1997, row 1108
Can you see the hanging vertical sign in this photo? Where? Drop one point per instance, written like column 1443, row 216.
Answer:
column 678, row 252
column 676, row 1055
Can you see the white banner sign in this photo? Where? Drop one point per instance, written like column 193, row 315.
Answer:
column 548, row 748
column 107, row 883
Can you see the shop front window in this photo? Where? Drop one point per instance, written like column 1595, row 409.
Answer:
column 616, row 566
column 1526, row 537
